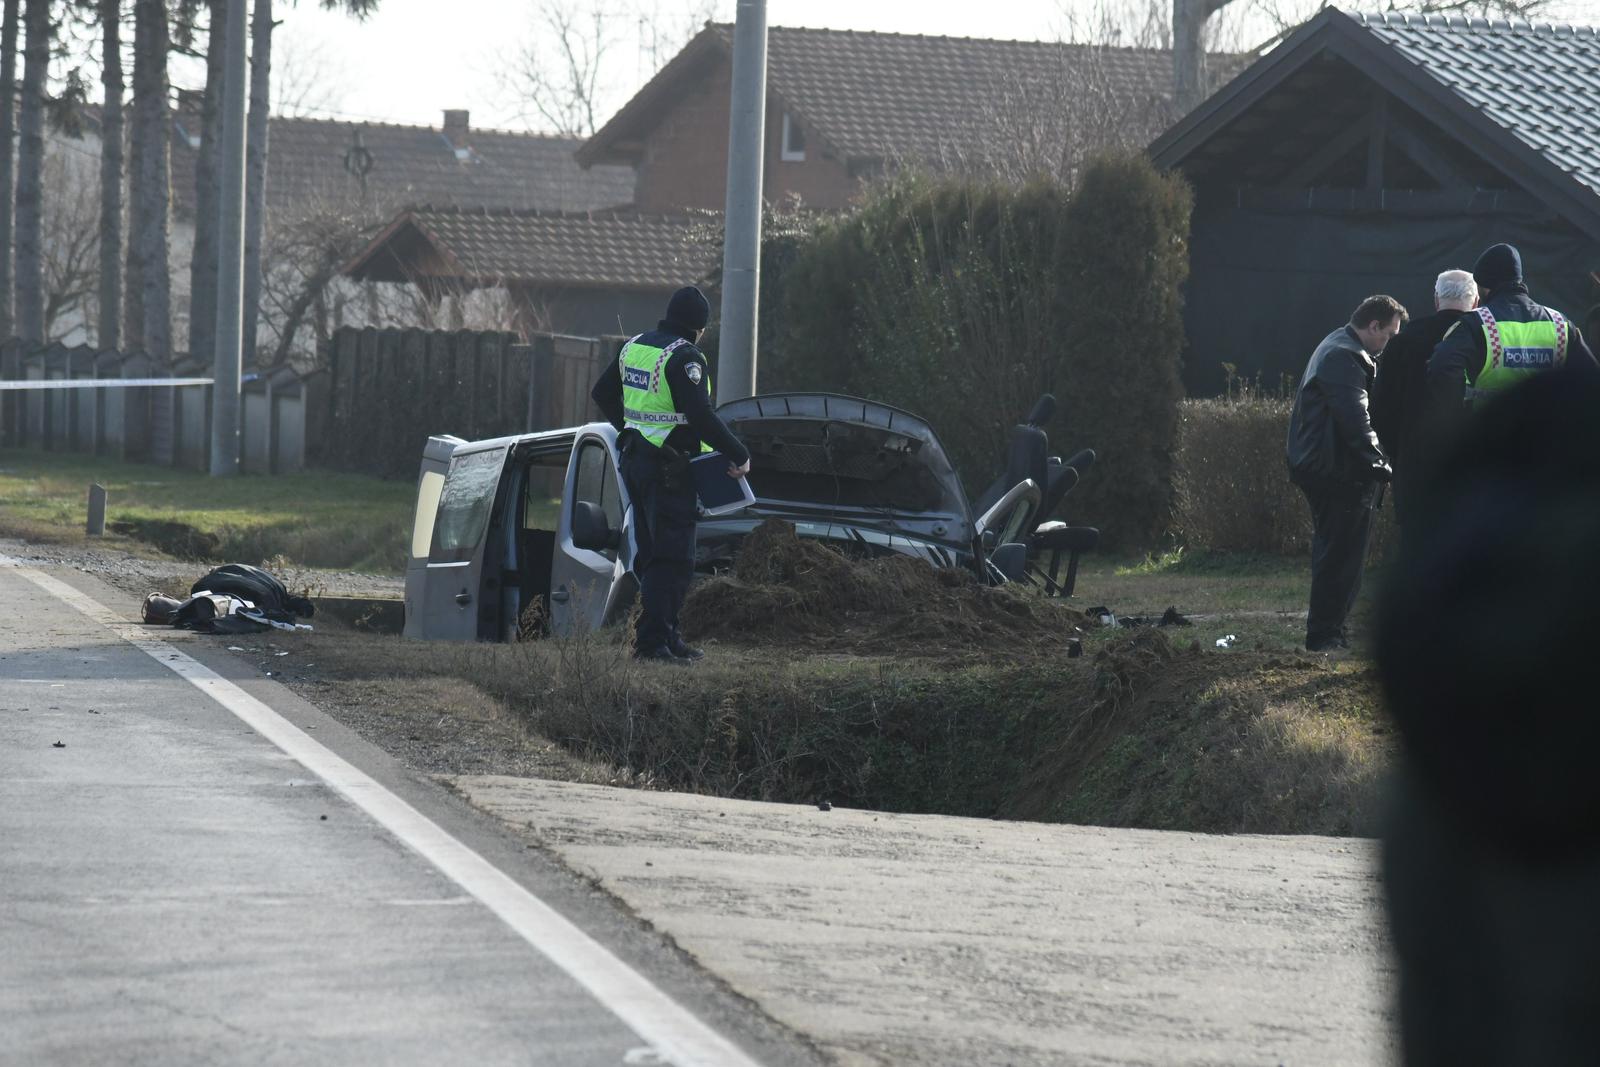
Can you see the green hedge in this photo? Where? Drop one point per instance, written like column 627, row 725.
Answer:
column 1233, row 489
column 963, row 302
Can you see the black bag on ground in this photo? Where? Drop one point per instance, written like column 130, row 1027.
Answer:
column 255, row 585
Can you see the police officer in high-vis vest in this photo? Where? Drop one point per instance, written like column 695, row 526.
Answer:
column 658, row 395
column 1508, row 340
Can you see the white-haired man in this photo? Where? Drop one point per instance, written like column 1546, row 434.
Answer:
column 1399, row 398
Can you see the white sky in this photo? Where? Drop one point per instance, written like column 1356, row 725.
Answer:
column 414, row 58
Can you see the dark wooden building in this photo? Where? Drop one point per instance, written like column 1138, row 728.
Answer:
column 1368, row 153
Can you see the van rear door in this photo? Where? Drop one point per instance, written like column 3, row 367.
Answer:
column 454, row 571
column 430, row 483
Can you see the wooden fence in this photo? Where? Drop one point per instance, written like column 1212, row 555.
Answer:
column 389, row 390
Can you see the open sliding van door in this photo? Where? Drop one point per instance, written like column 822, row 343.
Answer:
column 452, row 578
column 430, row 483
column 591, row 583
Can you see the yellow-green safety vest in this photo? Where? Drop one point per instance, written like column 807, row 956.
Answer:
column 647, row 406
column 1516, row 351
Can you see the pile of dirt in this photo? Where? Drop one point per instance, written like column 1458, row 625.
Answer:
column 786, row 590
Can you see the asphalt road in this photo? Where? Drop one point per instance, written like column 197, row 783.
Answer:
column 202, row 869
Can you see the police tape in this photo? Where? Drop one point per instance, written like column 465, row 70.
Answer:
column 103, row 383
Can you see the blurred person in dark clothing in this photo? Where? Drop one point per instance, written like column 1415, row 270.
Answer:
column 1485, row 638
column 658, row 395
column 1399, row 396
column 1335, row 459
column 1509, row 340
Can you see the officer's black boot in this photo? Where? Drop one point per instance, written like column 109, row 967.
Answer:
column 660, row 654
column 682, row 649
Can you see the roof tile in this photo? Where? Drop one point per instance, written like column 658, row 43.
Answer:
column 1543, row 83
column 886, row 96
column 619, row 249
column 306, row 164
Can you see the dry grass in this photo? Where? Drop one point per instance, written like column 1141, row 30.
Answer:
column 1142, row 732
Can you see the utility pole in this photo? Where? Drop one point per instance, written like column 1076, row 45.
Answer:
column 229, row 335
column 741, row 250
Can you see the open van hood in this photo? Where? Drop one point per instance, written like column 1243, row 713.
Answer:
column 821, row 457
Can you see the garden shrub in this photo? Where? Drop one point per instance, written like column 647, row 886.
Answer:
column 1233, row 492
column 963, row 301
column 1233, row 489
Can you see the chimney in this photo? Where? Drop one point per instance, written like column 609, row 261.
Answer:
column 455, row 127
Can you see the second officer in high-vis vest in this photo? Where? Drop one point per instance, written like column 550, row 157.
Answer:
column 1509, row 339
column 658, row 395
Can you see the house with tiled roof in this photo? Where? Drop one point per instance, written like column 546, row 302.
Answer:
column 1368, row 153
column 367, row 171
column 318, row 168
column 586, row 273
column 845, row 105
column 316, row 162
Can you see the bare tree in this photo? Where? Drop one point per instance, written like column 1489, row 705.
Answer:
column 1044, row 123
column 558, row 92
column 8, row 134
column 71, row 244
column 564, row 75
column 312, row 253
column 1188, row 49
column 30, row 173
column 149, row 281
column 300, row 262
column 205, row 257
column 306, row 79
column 255, row 174
column 109, row 331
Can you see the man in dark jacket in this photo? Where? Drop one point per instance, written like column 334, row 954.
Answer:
column 1399, row 397
column 658, row 395
column 1335, row 459
column 1511, row 339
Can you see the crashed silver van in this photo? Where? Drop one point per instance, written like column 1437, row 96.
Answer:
column 543, row 518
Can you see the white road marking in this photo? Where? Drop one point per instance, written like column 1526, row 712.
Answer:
column 672, row 1031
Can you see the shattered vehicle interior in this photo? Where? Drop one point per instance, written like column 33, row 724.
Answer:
column 521, row 536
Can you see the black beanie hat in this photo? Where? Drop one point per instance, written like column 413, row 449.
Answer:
column 689, row 309
column 1498, row 267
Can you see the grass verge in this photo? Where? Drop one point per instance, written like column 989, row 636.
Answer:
column 1144, row 731
column 314, row 518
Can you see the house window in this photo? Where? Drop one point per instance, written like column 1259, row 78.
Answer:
column 794, row 140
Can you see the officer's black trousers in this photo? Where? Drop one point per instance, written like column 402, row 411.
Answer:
column 664, row 526
column 1341, row 516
